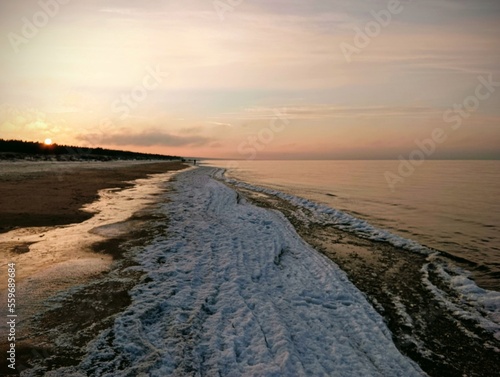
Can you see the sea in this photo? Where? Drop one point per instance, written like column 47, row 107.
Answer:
column 450, row 206
column 219, row 286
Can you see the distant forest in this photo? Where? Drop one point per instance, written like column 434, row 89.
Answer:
column 17, row 149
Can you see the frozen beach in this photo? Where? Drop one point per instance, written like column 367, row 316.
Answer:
column 232, row 290
column 240, row 280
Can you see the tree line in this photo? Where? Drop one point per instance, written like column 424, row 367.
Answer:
column 19, row 148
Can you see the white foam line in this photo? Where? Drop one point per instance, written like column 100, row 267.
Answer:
column 480, row 305
column 234, row 291
column 325, row 215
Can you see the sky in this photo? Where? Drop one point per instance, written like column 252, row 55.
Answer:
column 255, row 79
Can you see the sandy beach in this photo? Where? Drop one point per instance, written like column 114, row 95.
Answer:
column 62, row 224
column 200, row 274
column 448, row 329
column 49, row 194
column 231, row 289
column 250, row 188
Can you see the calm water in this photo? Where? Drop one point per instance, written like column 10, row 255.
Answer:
column 451, row 206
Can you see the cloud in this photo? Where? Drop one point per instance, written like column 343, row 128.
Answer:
column 190, row 130
column 215, row 144
column 150, row 138
column 220, row 124
column 326, row 111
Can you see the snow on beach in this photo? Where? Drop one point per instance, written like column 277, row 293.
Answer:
column 468, row 301
column 325, row 215
column 232, row 290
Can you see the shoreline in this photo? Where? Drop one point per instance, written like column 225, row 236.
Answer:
column 84, row 258
column 37, row 194
column 389, row 278
column 397, row 282
column 231, row 288
column 439, row 220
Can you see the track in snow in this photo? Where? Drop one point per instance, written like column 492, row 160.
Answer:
column 232, row 290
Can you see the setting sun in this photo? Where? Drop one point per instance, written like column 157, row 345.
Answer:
column 299, row 187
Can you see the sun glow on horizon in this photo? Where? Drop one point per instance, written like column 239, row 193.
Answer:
column 48, row 141
column 139, row 76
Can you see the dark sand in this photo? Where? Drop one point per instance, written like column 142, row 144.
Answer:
column 440, row 343
column 55, row 197
column 57, row 336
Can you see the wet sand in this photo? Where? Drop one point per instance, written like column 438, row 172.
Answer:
column 74, row 247
column 391, row 278
column 48, row 194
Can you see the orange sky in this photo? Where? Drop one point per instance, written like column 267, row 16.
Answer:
column 261, row 79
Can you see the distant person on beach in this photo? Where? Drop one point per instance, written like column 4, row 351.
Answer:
column 194, row 162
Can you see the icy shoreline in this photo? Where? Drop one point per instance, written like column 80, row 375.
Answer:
column 478, row 304
column 233, row 290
